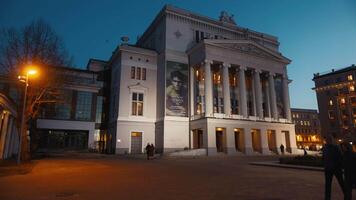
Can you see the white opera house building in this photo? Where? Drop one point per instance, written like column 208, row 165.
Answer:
column 193, row 82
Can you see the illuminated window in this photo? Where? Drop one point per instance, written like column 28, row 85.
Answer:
column 331, row 102
column 352, row 88
column 350, row 77
column 137, row 104
column 143, row 73
column 138, row 73
column 132, row 72
column 342, row 101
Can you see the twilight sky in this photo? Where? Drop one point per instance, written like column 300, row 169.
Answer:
column 317, row 35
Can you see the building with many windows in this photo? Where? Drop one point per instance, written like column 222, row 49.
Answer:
column 335, row 91
column 307, row 128
column 195, row 82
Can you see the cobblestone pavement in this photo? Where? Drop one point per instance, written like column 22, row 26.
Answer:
column 113, row 177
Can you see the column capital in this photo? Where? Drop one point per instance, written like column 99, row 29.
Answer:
column 271, row 73
column 208, row 61
column 258, row 71
column 226, row 65
column 243, row 68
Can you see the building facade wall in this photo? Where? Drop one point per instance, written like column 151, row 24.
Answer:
column 336, row 97
column 178, row 36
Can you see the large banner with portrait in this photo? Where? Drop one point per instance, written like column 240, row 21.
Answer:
column 279, row 96
column 176, row 89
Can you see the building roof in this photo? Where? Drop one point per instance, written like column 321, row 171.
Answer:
column 197, row 17
column 333, row 71
column 304, row 110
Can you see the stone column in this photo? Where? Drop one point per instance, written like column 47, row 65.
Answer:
column 273, row 99
column 253, row 100
column 248, row 141
column 191, row 94
column 226, row 85
column 208, row 87
column 230, row 143
column 268, row 104
column 258, row 93
column 243, row 100
column 264, row 142
column 286, row 100
column 8, row 137
column 3, row 133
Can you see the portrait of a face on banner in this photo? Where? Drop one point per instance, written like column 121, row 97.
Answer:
column 176, row 89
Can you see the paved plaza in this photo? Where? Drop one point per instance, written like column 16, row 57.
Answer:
column 113, row 177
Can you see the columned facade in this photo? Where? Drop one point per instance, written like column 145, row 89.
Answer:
column 255, row 118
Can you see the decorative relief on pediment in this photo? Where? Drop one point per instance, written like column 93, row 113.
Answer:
column 250, row 49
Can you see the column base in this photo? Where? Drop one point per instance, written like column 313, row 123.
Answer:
column 211, row 151
column 266, row 151
column 231, row 151
column 249, row 151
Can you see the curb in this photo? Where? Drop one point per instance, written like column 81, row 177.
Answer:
column 276, row 164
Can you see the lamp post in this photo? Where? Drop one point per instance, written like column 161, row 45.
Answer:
column 30, row 71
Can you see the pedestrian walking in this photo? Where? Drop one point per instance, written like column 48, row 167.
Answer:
column 152, row 153
column 148, row 150
column 305, row 152
column 282, row 149
column 332, row 159
column 349, row 166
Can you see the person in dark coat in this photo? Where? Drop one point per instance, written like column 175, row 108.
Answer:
column 349, row 166
column 332, row 159
column 152, row 153
column 148, row 150
column 282, row 148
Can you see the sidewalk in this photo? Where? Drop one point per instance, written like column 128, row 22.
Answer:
column 277, row 164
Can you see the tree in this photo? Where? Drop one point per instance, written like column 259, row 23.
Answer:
column 37, row 44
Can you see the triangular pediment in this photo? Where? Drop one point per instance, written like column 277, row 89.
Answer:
column 249, row 47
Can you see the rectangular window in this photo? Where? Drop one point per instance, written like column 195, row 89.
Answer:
column 143, row 73
column 137, row 104
column 197, row 36
column 99, row 109
column 138, row 73
column 331, row 114
column 201, row 35
column 83, row 107
column 132, row 72
column 350, row 77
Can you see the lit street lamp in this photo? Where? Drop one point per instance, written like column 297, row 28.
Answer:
column 30, row 70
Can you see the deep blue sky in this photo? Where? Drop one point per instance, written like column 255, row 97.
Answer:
column 316, row 35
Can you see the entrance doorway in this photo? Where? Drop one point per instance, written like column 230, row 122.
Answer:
column 197, row 139
column 288, row 148
column 256, row 140
column 136, row 142
column 239, row 139
column 220, row 140
column 272, row 144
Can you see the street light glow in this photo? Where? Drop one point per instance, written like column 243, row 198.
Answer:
column 32, row 72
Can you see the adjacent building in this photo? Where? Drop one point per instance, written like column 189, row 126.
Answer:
column 307, row 128
column 195, row 82
column 335, row 91
column 8, row 126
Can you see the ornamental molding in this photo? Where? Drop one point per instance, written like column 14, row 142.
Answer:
column 251, row 48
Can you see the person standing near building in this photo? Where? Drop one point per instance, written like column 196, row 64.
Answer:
column 282, row 149
column 332, row 159
column 148, row 150
column 152, row 152
column 349, row 166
